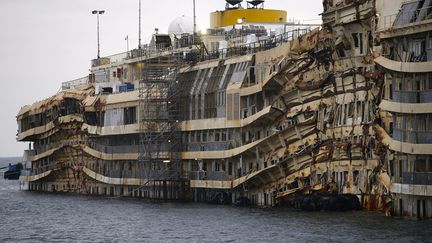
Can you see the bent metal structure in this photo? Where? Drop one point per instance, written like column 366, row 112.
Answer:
column 343, row 108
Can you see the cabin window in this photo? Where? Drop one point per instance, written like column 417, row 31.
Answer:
column 430, row 81
column 358, row 41
column 420, row 165
column 204, row 136
column 421, row 122
column 429, row 164
column 391, row 165
column 400, row 168
column 217, row 136
column 340, row 50
column 193, row 137
column 390, row 92
column 119, row 72
column 129, row 115
column 356, row 176
column 391, row 128
column 350, row 110
column 90, row 118
column 224, row 138
column 429, row 124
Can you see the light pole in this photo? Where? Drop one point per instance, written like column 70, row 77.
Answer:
column 98, row 12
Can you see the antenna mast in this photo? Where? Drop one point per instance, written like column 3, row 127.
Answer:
column 139, row 25
column 194, row 22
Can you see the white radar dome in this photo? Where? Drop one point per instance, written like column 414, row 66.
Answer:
column 181, row 25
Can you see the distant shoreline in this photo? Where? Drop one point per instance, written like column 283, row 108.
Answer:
column 4, row 161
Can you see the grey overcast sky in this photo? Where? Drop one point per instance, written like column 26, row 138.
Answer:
column 43, row 43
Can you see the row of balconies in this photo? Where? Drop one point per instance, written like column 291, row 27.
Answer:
column 417, row 178
column 412, row 96
column 414, row 137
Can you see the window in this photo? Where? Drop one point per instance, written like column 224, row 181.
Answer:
column 224, row 136
column 429, row 124
column 391, row 168
column 204, row 136
column 420, row 165
column 129, row 115
column 429, row 81
column 421, row 121
column 390, row 92
column 338, row 114
column 391, row 128
column 356, row 176
column 358, row 41
column 429, row 164
column 350, row 110
column 340, row 51
column 401, row 207
column 400, row 168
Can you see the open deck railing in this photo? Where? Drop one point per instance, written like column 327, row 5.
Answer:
column 405, row 18
column 79, row 81
column 241, row 49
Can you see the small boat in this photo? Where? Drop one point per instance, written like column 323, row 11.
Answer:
column 13, row 172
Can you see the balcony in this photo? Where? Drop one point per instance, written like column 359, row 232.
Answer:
column 409, row 14
column 417, row 178
column 208, row 175
column 424, row 96
column 414, row 137
column 404, row 67
column 399, row 146
column 208, row 146
column 115, row 149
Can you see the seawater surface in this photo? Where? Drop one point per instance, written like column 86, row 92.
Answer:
column 43, row 217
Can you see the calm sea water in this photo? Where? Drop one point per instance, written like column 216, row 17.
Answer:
column 41, row 217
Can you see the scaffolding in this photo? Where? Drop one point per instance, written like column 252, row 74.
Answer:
column 159, row 118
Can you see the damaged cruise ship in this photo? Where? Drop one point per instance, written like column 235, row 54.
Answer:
column 240, row 114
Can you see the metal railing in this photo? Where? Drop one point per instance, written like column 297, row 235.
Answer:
column 242, row 49
column 208, row 146
column 254, row 47
column 146, row 51
column 70, row 84
column 207, row 175
column 404, row 18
